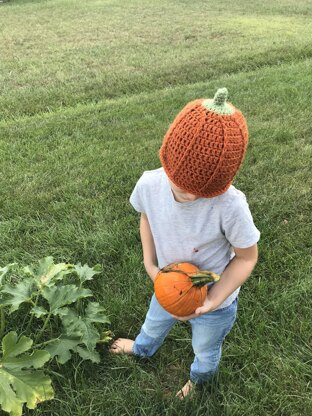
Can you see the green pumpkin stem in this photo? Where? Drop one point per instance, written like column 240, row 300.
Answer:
column 203, row 277
column 199, row 278
column 219, row 105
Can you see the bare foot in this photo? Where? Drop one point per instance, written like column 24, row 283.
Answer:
column 186, row 390
column 122, row 346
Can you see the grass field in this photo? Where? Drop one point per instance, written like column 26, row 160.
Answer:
column 88, row 90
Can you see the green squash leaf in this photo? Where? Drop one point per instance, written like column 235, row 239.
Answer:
column 59, row 296
column 81, row 336
column 20, row 381
column 47, row 273
column 78, row 326
column 39, row 311
column 5, row 270
column 85, row 272
column 83, row 326
column 9, row 402
column 85, row 354
column 11, row 347
column 62, row 348
column 18, row 294
column 96, row 313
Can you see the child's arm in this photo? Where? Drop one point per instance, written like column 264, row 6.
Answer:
column 234, row 275
column 148, row 246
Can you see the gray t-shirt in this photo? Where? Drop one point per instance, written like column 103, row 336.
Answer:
column 202, row 232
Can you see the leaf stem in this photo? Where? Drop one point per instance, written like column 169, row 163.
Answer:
column 34, row 304
column 44, row 327
column 2, row 321
column 46, row 342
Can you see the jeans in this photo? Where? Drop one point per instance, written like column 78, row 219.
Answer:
column 208, row 333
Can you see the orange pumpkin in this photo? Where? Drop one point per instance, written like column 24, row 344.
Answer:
column 181, row 288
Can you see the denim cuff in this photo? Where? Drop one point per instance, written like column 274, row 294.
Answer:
column 200, row 378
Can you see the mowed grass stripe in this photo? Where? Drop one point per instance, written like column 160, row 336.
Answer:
column 67, row 52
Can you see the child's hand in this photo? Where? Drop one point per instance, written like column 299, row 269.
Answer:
column 208, row 306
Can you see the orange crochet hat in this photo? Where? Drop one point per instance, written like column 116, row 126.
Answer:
column 205, row 146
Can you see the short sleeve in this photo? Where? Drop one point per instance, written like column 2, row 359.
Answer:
column 136, row 198
column 238, row 224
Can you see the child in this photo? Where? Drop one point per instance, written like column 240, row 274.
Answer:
column 190, row 212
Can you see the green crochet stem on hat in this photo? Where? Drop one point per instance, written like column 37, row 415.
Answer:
column 218, row 104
